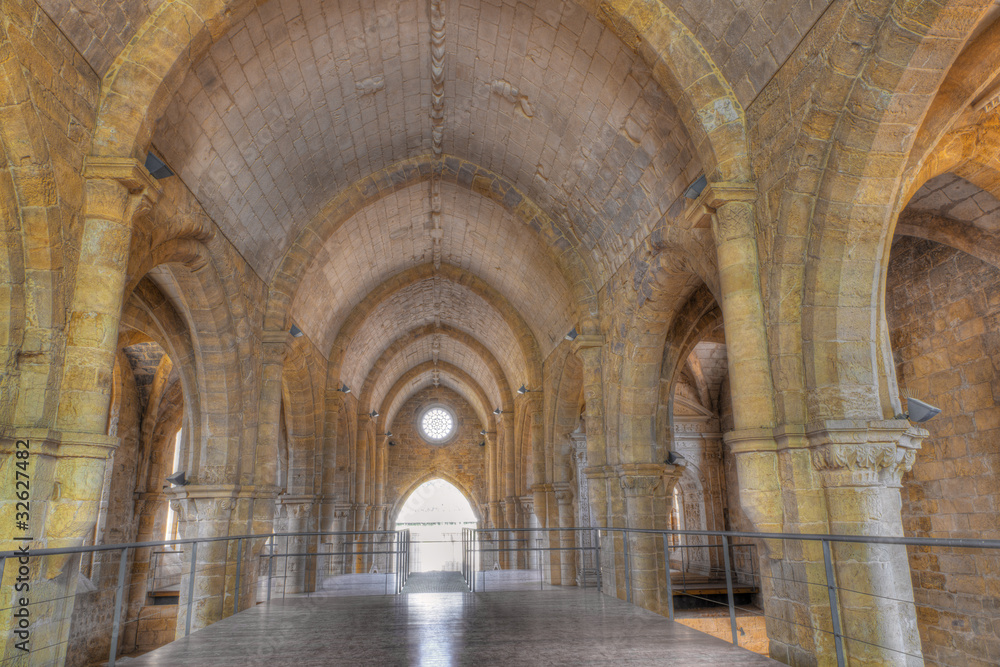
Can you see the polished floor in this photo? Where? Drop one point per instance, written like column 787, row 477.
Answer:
column 553, row 627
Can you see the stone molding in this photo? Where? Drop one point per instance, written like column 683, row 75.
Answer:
column 639, row 480
column 860, row 453
column 59, row 444
column 587, row 342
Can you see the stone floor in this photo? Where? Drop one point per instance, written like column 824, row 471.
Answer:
column 557, row 627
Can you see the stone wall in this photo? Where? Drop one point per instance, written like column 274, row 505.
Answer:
column 461, row 460
column 943, row 309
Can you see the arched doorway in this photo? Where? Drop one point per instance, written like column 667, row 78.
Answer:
column 435, row 513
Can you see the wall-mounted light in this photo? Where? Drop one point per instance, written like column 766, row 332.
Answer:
column 483, row 432
column 696, row 188
column 295, row 331
column 177, row 479
column 482, row 444
column 571, row 335
column 388, row 434
column 498, row 411
column 373, row 414
column 919, row 412
column 345, row 389
column 675, row 459
column 392, row 443
column 156, row 168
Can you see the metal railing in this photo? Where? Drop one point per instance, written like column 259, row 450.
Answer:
column 225, row 556
column 740, row 565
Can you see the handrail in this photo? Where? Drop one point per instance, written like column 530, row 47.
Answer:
column 192, row 540
column 958, row 542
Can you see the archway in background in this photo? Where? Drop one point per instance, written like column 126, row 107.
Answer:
column 435, row 513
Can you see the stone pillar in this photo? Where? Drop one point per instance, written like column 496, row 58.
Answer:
column 646, row 487
column 66, row 475
column 567, row 539
column 115, row 190
column 584, row 539
column 861, row 465
column 588, row 348
column 299, row 572
column 147, row 507
column 205, row 511
column 274, row 351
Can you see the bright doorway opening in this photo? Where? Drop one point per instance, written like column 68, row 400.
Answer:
column 435, row 513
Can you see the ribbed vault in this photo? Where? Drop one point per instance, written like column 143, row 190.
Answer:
column 391, row 235
column 430, row 301
column 424, row 375
column 297, row 101
column 437, row 348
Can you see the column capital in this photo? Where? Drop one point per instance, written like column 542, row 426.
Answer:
column 863, row 453
column 128, row 172
column 587, row 342
column 599, row 472
column 644, row 479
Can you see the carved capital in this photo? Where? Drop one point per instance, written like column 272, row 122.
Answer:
column 852, row 453
column 140, row 189
column 639, row 480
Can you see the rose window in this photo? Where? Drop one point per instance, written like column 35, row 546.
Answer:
column 437, row 424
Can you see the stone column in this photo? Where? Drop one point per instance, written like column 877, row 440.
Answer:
column 274, row 351
column 115, row 190
column 299, row 572
column 66, row 475
column 861, row 465
column 567, row 539
column 205, row 511
column 147, row 506
column 646, row 487
column 584, row 539
column 588, row 348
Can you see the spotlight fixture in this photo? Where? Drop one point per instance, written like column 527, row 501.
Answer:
column 156, row 168
column 177, row 479
column 675, row 459
column 373, row 414
column 696, row 188
column 388, row 434
column 919, row 412
column 571, row 335
column 392, row 443
column 522, row 390
column 295, row 331
column 483, row 432
column 482, row 444
column 497, row 411
column 345, row 389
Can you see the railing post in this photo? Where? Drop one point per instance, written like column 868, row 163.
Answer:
column 729, row 589
column 628, row 567
column 597, row 563
column 270, row 567
column 831, row 589
column 239, row 557
column 119, row 596
column 670, row 584
column 194, row 564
